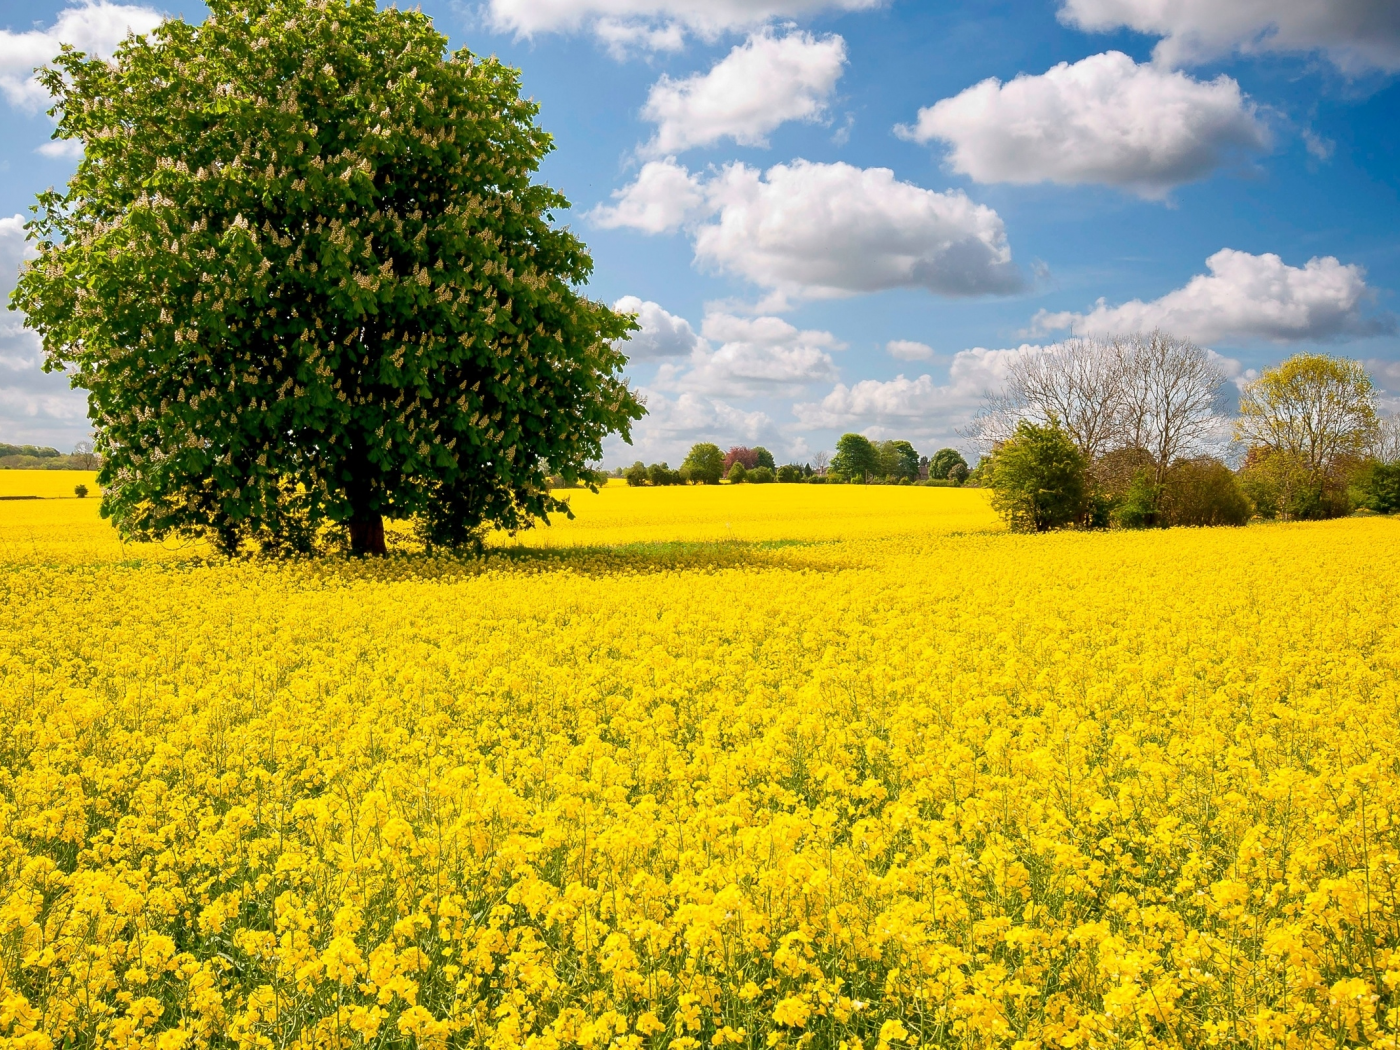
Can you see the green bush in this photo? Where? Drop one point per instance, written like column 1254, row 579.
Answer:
column 636, row 474
column 80, row 491
column 760, row 476
column 738, row 473
column 704, row 465
column 817, row 479
column 789, row 473
column 1039, row 478
column 943, row 462
column 1203, row 491
column 1376, row 487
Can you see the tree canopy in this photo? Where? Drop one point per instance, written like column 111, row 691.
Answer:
column 1038, row 477
column 704, row 464
column 1314, row 408
column 304, row 274
column 855, row 457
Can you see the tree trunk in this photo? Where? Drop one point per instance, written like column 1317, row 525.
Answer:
column 367, row 536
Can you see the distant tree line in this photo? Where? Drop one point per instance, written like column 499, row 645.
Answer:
column 42, row 457
column 1116, row 432
column 858, row 460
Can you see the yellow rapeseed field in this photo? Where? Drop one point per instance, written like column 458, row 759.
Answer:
column 761, row 767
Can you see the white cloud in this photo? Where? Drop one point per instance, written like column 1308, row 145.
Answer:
column 914, row 408
column 1243, row 297
column 908, row 350
column 756, row 356
column 94, row 28
column 1357, row 35
column 762, row 83
column 35, row 406
column 663, row 197
column 663, row 334
column 1104, row 119
column 670, row 427
column 66, row 149
column 653, row 23
column 822, row 231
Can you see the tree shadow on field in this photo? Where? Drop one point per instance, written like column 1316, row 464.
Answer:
column 599, row 561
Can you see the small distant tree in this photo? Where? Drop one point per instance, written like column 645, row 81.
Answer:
column 820, row 462
column 740, row 454
column 661, row 474
column 80, row 491
column 1039, row 477
column 84, row 458
column 898, row 460
column 856, row 458
column 704, row 464
column 738, row 473
column 789, row 473
column 760, row 476
column 943, row 461
column 763, row 458
column 958, row 473
column 636, row 474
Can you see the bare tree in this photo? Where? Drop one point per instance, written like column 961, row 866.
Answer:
column 820, row 461
column 1385, row 446
column 1170, row 397
column 85, row 457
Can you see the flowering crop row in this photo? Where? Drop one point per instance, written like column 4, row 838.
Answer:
column 875, row 775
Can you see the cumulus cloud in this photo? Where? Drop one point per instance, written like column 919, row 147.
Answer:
column 1357, row 35
column 822, row 231
column 95, row 28
column 763, row 83
column 1250, row 297
column 658, row 24
column 919, row 407
column 908, row 350
column 672, row 425
column 662, row 199
column 754, row 357
column 35, row 406
column 663, row 334
column 1104, row 119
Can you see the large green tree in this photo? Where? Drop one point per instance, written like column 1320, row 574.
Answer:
column 305, row 275
column 855, row 457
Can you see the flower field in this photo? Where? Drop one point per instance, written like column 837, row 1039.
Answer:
column 752, row 766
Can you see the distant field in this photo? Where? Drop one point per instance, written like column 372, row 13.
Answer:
column 750, row 766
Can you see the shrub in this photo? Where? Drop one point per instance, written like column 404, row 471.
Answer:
column 636, row 474
column 958, row 473
column 1203, row 491
column 817, row 479
column 760, row 476
column 80, row 491
column 1038, row 478
column 1136, row 507
column 789, row 473
column 738, row 473
column 1282, row 485
column 661, row 474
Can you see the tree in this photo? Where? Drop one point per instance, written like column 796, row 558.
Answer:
column 898, row 460
column 855, row 457
column 958, row 473
column 1385, row 445
column 1038, row 477
column 760, row 475
column 738, row 473
column 80, row 491
column 704, row 464
column 636, row 474
column 304, row 275
column 820, row 461
column 84, row 458
column 943, row 461
column 740, row 454
column 789, row 473
column 1080, row 382
column 764, row 458
column 1168, row 405
column 1314, row 408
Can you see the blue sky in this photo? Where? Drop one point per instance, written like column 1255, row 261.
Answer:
column 851, row 215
